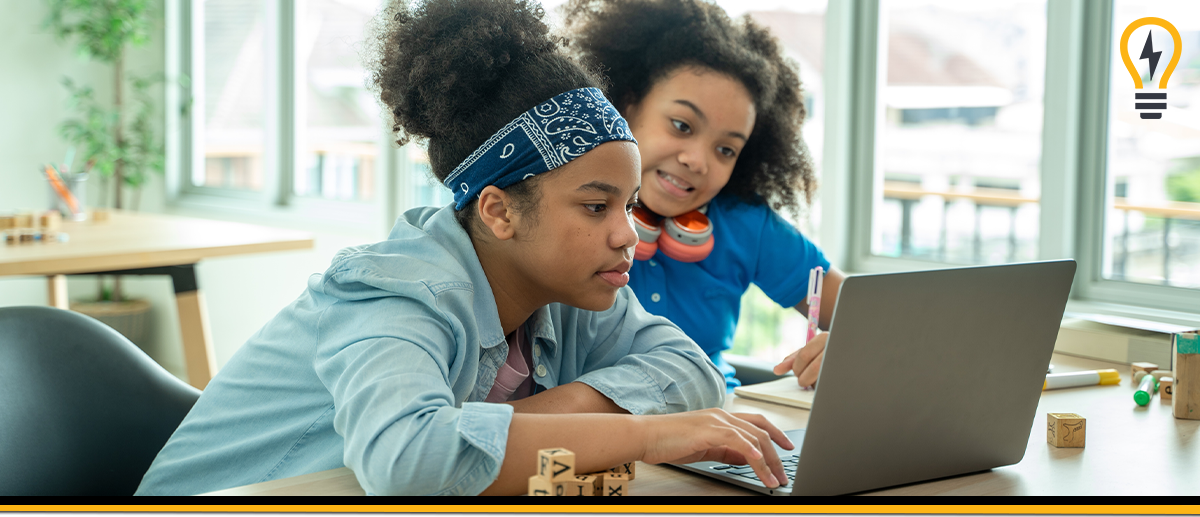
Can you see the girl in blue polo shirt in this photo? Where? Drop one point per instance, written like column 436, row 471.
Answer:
column 440, row 360
column 716, row 110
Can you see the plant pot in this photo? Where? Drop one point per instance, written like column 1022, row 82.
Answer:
column 130, row 317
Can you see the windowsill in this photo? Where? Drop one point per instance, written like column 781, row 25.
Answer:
column 315, row 215
column 1185, row 319
column 1081, row 306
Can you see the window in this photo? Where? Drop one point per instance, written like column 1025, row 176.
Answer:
column 959, row 145
column 282, row 123
column 341, row 119
column 1152, row 194
column 766, row 330
column 231, row 77
column 1110, row 189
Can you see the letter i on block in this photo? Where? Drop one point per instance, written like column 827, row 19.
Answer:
column 1065, row 429
column 579, row 486
column 556, row 465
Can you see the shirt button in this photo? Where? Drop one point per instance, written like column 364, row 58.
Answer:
column 655, row 297
column 541, row 370
column 653, row 263
column 537, row 350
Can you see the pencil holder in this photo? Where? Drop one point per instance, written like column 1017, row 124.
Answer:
column 76, row 185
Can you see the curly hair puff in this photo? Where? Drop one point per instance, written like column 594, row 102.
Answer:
column 453, row 72
column 639, row 42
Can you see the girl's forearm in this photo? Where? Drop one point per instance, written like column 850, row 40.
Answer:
column 573, row 397
column 600, row 441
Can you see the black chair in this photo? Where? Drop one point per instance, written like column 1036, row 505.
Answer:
column 83, row 411
column 752, row 371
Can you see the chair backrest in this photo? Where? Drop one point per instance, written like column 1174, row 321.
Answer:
column 83, row 411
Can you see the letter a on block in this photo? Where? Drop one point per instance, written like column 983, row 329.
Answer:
column 556, row 465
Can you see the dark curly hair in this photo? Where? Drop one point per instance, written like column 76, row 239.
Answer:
column 639, row 42
column 453, row 72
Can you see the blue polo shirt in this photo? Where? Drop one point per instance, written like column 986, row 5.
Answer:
column 751, row 244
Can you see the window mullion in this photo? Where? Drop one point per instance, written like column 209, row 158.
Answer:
column 281, row 107
column 1093, row 150
column 851, row 48
column 1063, row 104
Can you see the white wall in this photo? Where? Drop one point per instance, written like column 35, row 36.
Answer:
column 242, row 293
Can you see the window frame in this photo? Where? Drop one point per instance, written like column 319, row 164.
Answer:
column 1074, row 140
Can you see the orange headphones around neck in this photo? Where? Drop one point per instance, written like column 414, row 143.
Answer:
column 685, row 237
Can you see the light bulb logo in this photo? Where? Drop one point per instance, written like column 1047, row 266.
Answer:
column 1149, row 53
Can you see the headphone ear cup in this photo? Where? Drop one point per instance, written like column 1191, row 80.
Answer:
column 645, row 250
column 648, row 230
column 684, row 252
column 687, row 237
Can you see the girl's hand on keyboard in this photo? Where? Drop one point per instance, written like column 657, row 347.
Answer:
column 716, row 435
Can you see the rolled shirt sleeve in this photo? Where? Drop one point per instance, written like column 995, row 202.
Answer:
column 645, row 363
column 395, row 382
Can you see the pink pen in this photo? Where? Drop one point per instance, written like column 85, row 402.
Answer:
column 816, row 278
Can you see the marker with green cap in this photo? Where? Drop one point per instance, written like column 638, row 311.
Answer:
column 1146, row 390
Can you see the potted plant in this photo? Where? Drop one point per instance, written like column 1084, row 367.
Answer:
column 117, row 139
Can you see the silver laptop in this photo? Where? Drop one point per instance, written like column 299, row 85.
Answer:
column 926, row 375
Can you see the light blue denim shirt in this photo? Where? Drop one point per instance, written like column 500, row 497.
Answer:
column 383, row 363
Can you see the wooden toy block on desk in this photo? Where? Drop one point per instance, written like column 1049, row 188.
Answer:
column 1165, row 388
column 539, row 486
column 1065, row 429
column 585, row 486
column 615, row 485
column 50, row 221
column 629, row 469
column 1141, row 367
column 556, row 465
column 23, row 220
column 1185, row 398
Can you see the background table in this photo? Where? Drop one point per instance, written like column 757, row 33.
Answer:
column 1130, row 450
column 132, row 243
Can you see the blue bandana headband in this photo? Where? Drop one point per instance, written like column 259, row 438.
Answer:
column 540, row 140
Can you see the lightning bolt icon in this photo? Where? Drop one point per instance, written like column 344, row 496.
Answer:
column 1149, row 53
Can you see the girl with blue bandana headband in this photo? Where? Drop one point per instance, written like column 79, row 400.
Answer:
column 716, row 109
column 439, row 361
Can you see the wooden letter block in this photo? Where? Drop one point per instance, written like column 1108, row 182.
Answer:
column 615, row 485
column 50, row 221
column 1141, row 367
column 540, row 486
column 556, row 465
column 1065, row 429
column 625, row 468
column 1185, row 393
column 578, row 486
column 1165, row 388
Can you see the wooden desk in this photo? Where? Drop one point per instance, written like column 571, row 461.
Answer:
column 1130, row 450
column 132, row 243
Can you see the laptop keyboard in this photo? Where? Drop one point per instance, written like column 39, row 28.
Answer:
column 789, row 466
